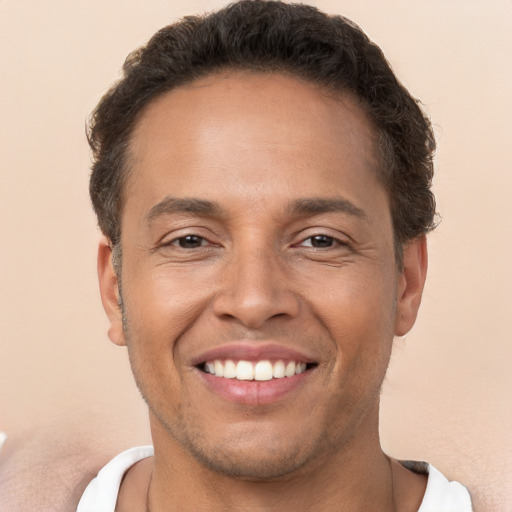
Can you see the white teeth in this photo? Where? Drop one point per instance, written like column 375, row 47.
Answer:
column 247, row 370
column 263, row 370
column 219, row 369
column 229, row 369
column 278, row 372
column 300, row 368
column 244, row 371
column 290, row 369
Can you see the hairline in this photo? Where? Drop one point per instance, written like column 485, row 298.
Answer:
column 378, row 136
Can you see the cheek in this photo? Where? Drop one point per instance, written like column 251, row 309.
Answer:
column 158, row 311
column 161, row 305
column 358, row 312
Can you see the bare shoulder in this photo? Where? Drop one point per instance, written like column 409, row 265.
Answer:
column 47, row 470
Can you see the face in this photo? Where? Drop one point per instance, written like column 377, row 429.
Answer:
column 259, row 285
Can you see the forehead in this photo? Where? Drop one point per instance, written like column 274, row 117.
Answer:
column 244, row 130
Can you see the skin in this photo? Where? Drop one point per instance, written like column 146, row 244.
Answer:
column 258, row 147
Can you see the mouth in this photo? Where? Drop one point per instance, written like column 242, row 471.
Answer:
column 251, row 373
column 259, row 370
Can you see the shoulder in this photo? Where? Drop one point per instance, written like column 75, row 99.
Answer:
column 43, row 471
column 103, row 490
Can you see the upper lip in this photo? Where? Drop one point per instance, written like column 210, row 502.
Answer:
column 253, row 351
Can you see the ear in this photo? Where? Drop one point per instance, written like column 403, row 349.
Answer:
column 410, row 284
column 109, row 290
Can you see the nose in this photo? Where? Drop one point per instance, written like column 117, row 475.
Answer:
column 255, row 288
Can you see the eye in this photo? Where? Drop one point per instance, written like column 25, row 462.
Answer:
column 189, row 242
column 319, row 241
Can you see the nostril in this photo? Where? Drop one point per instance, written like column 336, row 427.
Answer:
column 279, row 315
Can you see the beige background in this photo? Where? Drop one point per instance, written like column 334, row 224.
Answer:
column 448, row 395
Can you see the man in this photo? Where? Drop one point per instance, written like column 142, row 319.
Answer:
column 263, row 184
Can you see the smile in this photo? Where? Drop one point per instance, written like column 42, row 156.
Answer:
column 252, row 373
column 262, row 370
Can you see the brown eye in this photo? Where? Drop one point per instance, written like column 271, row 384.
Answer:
column 189, row 242
column 320, row 241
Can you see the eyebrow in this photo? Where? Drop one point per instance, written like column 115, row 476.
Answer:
column 319, row 205
column 301, row 207
column 170, row 205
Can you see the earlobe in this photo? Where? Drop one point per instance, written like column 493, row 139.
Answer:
column 410, row 284
column 109, row 290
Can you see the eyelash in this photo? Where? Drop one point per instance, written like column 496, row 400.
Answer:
column 176, row 242
column 333, row 241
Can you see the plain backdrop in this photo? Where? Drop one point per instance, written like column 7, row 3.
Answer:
column 448, row 394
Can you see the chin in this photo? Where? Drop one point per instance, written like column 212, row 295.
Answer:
column 264, row 452
column 261, row 464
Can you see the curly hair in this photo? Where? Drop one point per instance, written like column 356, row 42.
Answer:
column 270, row 36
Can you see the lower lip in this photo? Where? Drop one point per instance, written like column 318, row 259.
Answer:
column 254, row 392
